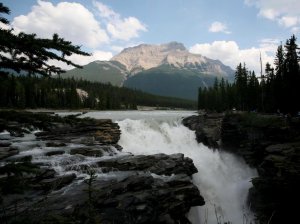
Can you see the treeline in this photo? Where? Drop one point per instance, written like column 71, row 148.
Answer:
column 57, row 93
column 277, row 89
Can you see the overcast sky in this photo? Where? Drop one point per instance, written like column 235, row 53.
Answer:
column 232, row 31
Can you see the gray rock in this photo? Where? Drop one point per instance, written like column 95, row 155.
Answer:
column 53, row 153
column 87, row 152
column 55, row 183
column 277, row 148
column 159, row 164
column 4, row 143
column 7, row 152
column 139, row 198
column 55, row 144
column 207, row 128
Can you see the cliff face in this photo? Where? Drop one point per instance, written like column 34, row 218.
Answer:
column 269, row 143
column 146, row 56
column 272, row 145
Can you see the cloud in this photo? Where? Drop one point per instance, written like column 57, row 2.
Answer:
column 83, row 60
column 105, row 11
column 125, row 29
column 230, row 54
column 101, row 28
column 217, row 27
column 288, row 21
column 120, row 28
column 70, row 20
column 286, row 13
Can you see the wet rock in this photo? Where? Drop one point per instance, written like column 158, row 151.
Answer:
column 7, row 152
column 45, row 174
column 55, row 144
column 135, row 199
column 250, row 134
column 268, row 143
column 279, row 148
column 4, row 143
column 141, row 189
column 55, row 183
column 89, row 132
column 18, row 158
column 158, row 164
column 53, row 153
column 87, row 152
column 277, row 187
column 207, row 128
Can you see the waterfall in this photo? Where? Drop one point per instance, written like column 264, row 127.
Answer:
column 223, row 179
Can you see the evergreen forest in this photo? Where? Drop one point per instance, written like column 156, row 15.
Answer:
column 57, row 93
column 274, row 90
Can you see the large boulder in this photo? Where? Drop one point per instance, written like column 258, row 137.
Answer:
column 207, row 128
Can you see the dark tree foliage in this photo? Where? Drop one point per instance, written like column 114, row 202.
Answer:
column 278, row 89
column 58, row 93
column 30, row 54
column 5, row 10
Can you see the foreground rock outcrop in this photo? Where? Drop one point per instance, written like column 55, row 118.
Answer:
column 74, row 172
column 269, row 143
column 207, row 128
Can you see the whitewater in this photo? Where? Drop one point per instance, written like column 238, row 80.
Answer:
column 223, row 178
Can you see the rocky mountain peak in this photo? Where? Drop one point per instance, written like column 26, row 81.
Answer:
column 174, row 46
column 146, row 56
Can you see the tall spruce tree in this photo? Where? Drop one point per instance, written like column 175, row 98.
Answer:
column 30, row 54
column 291, row 76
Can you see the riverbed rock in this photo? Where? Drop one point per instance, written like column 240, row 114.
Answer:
column 55, row 144
column 134, row 189
column 276, row 190
column 160, row 164
column 134, row 199
column 207, row 128
column 7, row 152
column 95, row 151
column 87, row 152
column 4, row 143
column 55, row 183
column 271, row 144
column 88, row 132
column 54, row 153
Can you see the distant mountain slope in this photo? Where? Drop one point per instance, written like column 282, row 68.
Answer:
column 166, row 69
column 100, row 71
column 168, row 81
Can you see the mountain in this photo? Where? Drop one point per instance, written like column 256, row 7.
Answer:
column 100, row 71
column 166, row 69
column 146, row 56
column 166, row 80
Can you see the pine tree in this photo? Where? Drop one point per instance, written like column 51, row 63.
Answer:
column 27, row 52
column 292, row 76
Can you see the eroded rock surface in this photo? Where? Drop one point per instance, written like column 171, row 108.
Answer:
column 207, row 128
column 74, row 172
column 269, row 143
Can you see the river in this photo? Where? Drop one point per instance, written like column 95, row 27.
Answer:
column 223, row 178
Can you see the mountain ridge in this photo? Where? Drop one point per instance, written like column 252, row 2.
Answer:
column 146, row 56
column 148, row 67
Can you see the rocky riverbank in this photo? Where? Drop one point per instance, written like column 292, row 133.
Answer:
column 269, row 143
column 73, row 171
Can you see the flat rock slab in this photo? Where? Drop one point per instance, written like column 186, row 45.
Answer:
column 160, row 164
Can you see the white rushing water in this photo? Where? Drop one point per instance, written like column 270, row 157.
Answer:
column 223, row 179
